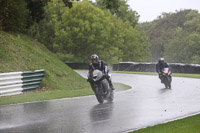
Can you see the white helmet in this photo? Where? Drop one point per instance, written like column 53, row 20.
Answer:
column 94, row 57
column 161, row 59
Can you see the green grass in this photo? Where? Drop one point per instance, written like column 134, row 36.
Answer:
column 44, row 95
column 40, row 95
column 187, row 125
column 154, row 73
column 22, row 53
column 121, row 87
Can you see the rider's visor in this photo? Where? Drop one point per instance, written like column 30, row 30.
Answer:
column 94, row 60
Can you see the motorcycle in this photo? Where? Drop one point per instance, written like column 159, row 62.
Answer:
column 166, row 77
column 100, row 86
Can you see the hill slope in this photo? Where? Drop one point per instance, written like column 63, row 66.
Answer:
column 22, row 53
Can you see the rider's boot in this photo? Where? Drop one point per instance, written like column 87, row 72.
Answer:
column 110, row 82
column 111, row 85
column 161, row 78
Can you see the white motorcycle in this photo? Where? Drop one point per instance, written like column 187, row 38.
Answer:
column 166, row 77
column 100, row 86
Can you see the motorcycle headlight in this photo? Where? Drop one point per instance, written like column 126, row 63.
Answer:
column 94, row 75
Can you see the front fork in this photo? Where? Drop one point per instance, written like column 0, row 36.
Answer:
column 167, row 78
column 96, row 88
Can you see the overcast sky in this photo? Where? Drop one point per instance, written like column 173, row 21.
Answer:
column 151, row 9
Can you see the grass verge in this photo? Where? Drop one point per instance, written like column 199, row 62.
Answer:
column 39, row 95
column 186, row 125
column 44, row 95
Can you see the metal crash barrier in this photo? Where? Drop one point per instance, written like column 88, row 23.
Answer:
column 151, row 67
column 13, row 83
column 144, row 67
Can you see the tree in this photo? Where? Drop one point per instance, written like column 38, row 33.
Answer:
column 68, row 3
column 188, row 46
column 163, row 30
column 36, row 11
column 192, row 22
column 186, row 41
column 13, row 14
column 111, row 5
column 121, row 9
column 76, row 33
column 177, row 51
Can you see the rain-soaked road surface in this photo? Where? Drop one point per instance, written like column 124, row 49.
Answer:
column 147, row 104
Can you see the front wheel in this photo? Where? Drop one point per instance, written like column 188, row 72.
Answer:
column 167, row 82
column 98, row 94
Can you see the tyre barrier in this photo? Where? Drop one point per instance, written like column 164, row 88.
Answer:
column 151, row 67
column 134, row 66
column 143, row 67
column 13, row 83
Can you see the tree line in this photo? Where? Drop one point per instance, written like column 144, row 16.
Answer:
column 175, row 36
column 75, row 30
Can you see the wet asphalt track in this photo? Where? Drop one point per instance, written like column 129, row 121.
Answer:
column 148, row 103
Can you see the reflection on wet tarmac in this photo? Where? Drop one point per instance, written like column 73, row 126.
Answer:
column 101, row 112
column 164, row 90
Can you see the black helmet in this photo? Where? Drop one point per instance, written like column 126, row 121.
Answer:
column 94, row 57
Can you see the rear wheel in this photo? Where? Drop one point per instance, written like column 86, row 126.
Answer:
column 111, row 97
column 109, row 94
column 166, row 85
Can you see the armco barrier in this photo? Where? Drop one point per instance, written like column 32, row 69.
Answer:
column 144, row 67
column 134, row 66
column 151, row 67
column 18, row 82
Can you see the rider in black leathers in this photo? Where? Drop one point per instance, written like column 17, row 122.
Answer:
column 100, row 65
column 159, row 66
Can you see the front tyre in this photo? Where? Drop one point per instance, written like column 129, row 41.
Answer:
column 167, row 82
column 98, row 94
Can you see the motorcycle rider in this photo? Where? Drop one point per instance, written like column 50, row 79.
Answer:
column 100, row 65
column 159, row 66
